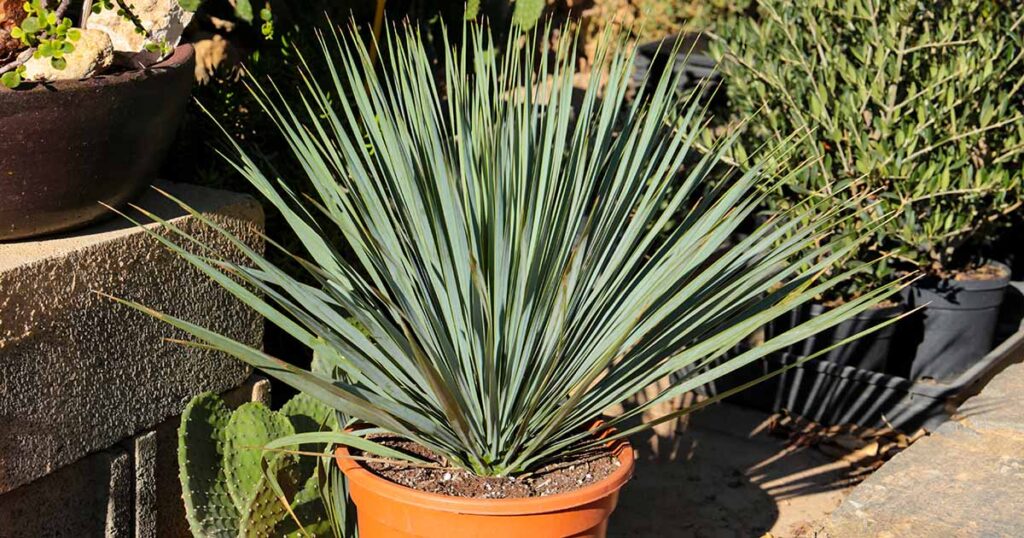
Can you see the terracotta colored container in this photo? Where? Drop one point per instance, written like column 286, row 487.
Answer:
column 387, row 509
column 65, row 146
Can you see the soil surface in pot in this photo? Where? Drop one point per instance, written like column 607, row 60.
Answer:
column 837, row 302
column 552, row 479
column 985, row 272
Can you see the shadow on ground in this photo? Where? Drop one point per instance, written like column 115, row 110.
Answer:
column 720, row 476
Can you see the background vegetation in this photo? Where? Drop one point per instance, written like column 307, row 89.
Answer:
column 918, row 105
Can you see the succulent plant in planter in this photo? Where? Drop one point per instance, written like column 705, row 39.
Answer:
column 89, row 106
column 509, row 279
column 918, row 111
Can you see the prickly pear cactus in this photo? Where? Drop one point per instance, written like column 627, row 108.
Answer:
column 251, row 427
column 226, row 477
column 208, row 505
column 307, row 414
column 265, row 510
column 309, row 509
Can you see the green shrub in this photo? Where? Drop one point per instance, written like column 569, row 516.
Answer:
column 918, row 104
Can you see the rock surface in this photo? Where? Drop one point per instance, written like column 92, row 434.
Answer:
column 965, row 480
column 93, row 53
column 11, row 15
column 164, row 21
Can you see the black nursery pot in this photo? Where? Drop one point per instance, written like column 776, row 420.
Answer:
column 870, row 352
column 692, row 60
column 68, row 145
column 956, row 327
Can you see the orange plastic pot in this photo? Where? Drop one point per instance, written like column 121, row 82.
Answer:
column 387, row 509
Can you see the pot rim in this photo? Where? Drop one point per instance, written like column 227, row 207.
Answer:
column 181, row 57
column 356, row 472
column 874, row 312
column 967, row 285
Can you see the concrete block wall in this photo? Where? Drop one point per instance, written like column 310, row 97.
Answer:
column 90, row 390
column 128, row 489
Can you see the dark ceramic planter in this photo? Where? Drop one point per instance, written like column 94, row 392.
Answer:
column 66, row 146
column 955, row 328
column 692, row 60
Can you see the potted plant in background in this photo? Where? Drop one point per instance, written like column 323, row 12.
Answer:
column 510, row 280
column 918, row 112
column 89, row 106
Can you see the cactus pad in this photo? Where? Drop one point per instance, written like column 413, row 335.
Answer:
column 208, row 505
column 251, row 427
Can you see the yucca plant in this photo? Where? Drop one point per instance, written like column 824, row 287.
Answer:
column 510, row 279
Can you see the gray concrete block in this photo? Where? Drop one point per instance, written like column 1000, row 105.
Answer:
column 80, row 500
column 78, row 372
column 121, row 496
column 129, row 490
column 145, row 485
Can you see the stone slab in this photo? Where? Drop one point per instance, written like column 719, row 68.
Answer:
column 964, row 480
column 78, row 372
column 954, row 485
column 1000, row 406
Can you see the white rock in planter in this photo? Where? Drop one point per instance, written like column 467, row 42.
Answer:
column 164, row 20
column 93, row 53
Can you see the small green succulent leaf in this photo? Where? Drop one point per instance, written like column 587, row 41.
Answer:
column 190, row 5
column 527, row 13
column 243, row 10
column 11, row 79
column 251, row 427
column 472, row 9
column 30, row 25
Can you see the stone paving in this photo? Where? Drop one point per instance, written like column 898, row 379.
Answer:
column 965, row 480
column 721, row 476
